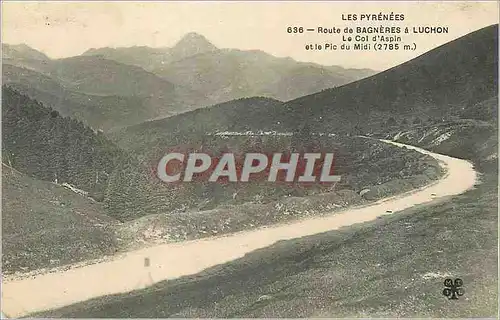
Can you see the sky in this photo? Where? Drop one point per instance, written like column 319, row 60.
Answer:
column 61, row 29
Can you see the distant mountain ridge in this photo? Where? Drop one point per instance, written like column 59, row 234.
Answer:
column 110, row 88
column 142, row 83
column 98, row 111
column 152, row 58
column 21, row 51
column 103, row 93
column 442, row 83
column 228, row 74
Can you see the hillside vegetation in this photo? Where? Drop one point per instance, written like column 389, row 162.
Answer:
column 135, row 191
column 36, row 140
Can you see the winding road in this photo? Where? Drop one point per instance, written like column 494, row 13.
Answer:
column 167, row 261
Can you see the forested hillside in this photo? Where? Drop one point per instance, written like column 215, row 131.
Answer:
column 40, row 142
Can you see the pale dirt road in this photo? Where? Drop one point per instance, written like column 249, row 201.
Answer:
column 127, row 272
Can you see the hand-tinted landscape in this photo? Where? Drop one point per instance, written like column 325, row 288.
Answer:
column 81, row 134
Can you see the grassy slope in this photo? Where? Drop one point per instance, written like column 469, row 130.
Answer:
column 392, row 267
column 47, row 225
column 437, row 84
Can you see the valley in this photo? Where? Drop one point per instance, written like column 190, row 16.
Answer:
column 87, row 222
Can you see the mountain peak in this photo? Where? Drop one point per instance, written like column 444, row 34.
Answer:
column 192, row 43
column 193, row 37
